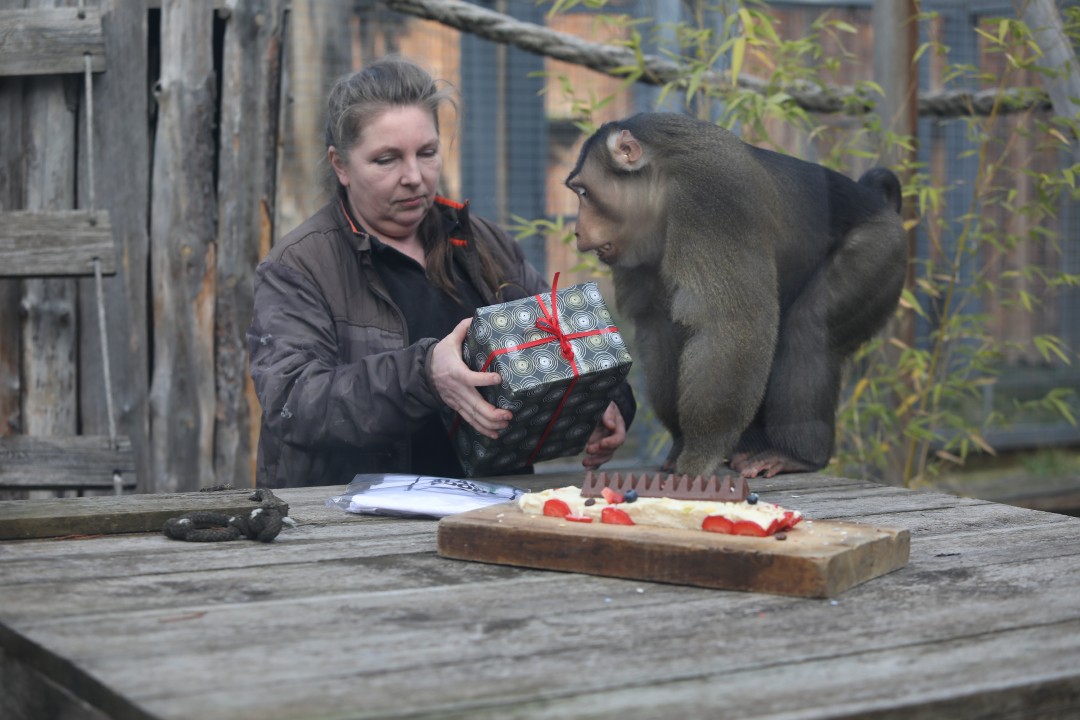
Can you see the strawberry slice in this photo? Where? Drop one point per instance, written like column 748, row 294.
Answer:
column 578, row 518
column 790, row 520
column 745, row 527
column 556, row 508
column 717, row 524
column 611, row 496
column 615, row 516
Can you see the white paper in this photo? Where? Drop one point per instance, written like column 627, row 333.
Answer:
column 420, row 495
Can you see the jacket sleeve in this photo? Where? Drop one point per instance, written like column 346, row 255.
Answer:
column 524, row 275
column 309, row 398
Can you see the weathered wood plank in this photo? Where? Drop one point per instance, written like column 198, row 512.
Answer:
column 130, row 514
column 123, row 180
column 388, row 629
column 78, row 462
column 11, row 196
column 333, row 535
column 446, row 644
column 55, row 243
column 247, row 174
column 182, row 232
column 50, row 41
column 49, row 333
column 119, row 574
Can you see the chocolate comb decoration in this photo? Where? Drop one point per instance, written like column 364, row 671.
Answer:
column 732, row 488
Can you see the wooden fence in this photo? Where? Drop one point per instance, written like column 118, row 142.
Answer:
column 181, row 177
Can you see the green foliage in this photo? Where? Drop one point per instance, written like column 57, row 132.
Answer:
column 935, row 385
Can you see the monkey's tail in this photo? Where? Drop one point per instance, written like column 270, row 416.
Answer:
column 885, row 182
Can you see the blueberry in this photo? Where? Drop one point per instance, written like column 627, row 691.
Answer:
column 629, row 496
column 752, row 498
column 590, row 501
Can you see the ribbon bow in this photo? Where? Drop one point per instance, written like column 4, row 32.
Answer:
column 550, row 324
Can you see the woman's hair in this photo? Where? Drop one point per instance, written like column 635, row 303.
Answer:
column 355, row 101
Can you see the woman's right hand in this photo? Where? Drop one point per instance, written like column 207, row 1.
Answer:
column 456, row 384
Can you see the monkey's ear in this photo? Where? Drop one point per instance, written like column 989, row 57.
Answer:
column 626, row 151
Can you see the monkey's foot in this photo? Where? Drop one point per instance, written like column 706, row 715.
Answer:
column 768, row 464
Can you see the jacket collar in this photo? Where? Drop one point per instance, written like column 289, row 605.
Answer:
column 454, row 217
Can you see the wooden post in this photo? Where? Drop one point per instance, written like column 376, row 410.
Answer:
column 896, row 36
column 49, row 401
column 318, row 52
column 11, row 193
column 251, row 82
column 122, row 169
column 182, row 230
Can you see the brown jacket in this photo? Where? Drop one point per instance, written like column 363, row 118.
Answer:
column 342, row 388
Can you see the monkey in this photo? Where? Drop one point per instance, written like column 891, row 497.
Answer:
column 749, row 277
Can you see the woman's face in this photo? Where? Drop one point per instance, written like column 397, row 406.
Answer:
column 391, row 174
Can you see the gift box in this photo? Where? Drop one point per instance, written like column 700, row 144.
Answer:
column 561, row 360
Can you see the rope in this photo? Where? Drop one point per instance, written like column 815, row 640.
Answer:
column 89, row 134
column 262, row 524
column 103, row 331
column 657, row 70
column 99, row 285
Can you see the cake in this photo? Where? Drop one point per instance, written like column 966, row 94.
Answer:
column 625, row 505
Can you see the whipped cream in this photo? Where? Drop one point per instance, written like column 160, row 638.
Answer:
column 667, row 512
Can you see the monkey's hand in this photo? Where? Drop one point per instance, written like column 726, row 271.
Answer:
column 609, row 435
column 456, row 384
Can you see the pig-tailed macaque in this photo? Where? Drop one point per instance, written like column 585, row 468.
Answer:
column 748, row 275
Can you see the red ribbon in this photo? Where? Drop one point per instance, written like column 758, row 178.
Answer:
column 549, row 323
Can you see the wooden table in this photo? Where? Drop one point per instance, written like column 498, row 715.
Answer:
column 356, row 616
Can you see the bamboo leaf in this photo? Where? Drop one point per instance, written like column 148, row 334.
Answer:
column 908, row 299
column 738, row 54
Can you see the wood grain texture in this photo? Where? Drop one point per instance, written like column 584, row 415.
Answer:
column 349, row 616
column 55, row 243
column 816, row 559
column 78, row 462
column 183, row 227
column 21, row 519
column 50, row 41
column 247, row 180
column 123, row 168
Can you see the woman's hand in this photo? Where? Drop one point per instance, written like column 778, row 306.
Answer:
column 456, row 384
column 609, row 435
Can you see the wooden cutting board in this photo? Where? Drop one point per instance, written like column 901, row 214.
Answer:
column 819, row 558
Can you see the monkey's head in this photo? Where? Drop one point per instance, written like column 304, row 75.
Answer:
column 621, row 199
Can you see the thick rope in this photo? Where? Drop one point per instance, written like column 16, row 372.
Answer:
column 656, row 70
column 263, row 523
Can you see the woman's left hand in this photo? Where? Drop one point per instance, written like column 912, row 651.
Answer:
column 456, row 385
column 609, row 435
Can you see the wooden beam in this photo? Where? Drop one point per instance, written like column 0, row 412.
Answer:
column 106, row 515
column 29, row 462
column 55, row 243
column 51, row 41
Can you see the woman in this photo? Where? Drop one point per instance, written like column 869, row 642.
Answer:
column 360, row 312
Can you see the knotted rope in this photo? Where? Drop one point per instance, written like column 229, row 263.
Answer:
column 262, row 524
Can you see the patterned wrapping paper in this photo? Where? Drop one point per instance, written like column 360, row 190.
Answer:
column 555, row 409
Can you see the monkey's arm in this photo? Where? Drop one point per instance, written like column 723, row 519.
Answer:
column 725, row 295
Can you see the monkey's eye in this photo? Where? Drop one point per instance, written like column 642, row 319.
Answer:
column 580, row 191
